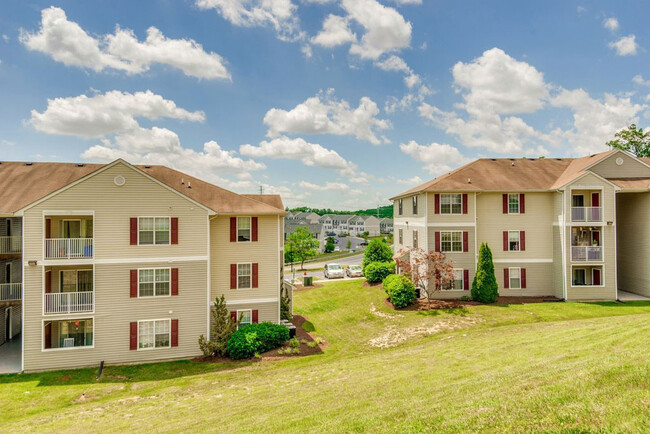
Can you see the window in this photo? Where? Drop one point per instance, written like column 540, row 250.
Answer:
column 244, row 272
column 513, row 241
column 514, row 275
column 76, row 280
column 513, row 204
column 415, row 205
column 243, row 229
column 451, row 241
column 399, row 206
column 154, row 334
column 578, row 200
column 246, row 316
column 579, row 276
column 451, row 204
column 455, row 284
column 401, row 238
column 153, row 230
column 415, row 239
column 153, row 282
column 68, row 334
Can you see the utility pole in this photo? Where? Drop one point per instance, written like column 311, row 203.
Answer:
column 261, row 189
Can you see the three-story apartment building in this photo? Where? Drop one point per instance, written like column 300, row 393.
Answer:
column 121, row 263
column 576, row 229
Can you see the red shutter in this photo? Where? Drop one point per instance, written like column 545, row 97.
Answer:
column 466, row 280
column 523, row 278
column 505, row 241
column 255, row 316
column 233, row 276
column 134, row 231
column 48, row 282
column 174, row 230
column 522, row 203
column 174, row 333
column 595, row 199
column 48, row 336
column 465, row 241
column 506, row 278
column 174, row 281
column 254, row 228
column 255, row 275
column 233, row 229
column 437, row 236
column 522, row 240
column 134, row 283
column 505, row 204
column 48, row 228
column 464, row 203
column 233, row 315
column 437, row 204
column 596, row 277
column 133, row 336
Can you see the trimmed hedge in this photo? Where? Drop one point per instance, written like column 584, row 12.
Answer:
column 400, row 290
column 251, row 339
column 378, row 271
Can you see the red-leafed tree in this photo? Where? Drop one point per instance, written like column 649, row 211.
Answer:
column 430, row 271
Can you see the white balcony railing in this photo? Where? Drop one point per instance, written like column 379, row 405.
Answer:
column 69, row 302
column 11, row 244
column 68, row 248
column 586, row 214
column 586, row 253
column 11, row 291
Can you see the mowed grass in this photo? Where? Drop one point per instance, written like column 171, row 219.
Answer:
column 549, row 367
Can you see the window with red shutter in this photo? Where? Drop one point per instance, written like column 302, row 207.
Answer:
column 506, row 278
column 505, row 241
column 174, row 281
column 134, row 283
column 174, row 334
column 437, row 204
column 233, row 276
column 255, row 275
column 254, row 229
column 522, row 240
column 174, row 230
column 466, row 280
column 133, row 336
column 522, row 203
column 437, row 237
column 523, row 278
column 505, row 204
column 255, row 316
column 464, row 203
column 233, row 229
column 134, row 231
column 465, row 241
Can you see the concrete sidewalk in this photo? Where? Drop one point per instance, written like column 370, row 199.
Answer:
column 628, row 296
column 10, row 355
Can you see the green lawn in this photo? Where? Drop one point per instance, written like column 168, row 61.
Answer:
column 550, row 367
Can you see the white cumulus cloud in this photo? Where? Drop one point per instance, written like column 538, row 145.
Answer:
column 611, row 24
column 625, row 46
column 336, row 31
column 437, row 158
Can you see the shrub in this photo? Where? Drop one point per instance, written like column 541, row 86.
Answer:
column 378, row 271
column 376, row 252
column 400, row 290
column 484, row 287
column 256, row 338
column 312, row 344
column 285, row 305
column 222, row 326
column 466, row 298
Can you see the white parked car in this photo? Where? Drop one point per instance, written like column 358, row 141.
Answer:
column 354, row 271
column 333, row 271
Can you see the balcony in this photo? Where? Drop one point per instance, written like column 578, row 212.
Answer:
column 68, row 248
column 69, row 302
column 11, row 291
column 586, row 253
column 11, row 245
column 588, row 214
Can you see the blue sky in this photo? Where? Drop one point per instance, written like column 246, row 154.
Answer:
column 337, row 103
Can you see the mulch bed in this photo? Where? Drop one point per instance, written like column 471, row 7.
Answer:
column 305, row 350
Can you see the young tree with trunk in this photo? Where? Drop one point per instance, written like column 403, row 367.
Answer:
column 484, row 287
column 222, row 326
column 301, row 245
column 430, row 271
column 632, row 139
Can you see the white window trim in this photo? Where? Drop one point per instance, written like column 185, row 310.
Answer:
column 518, row 203
column 462, row 279
column 602, row 276
column 519, row 236
column 510, row 277
column 251, row 275
column 451, row 208
column 245, row 310
column 154, row 334
column 154, row 282
column 76, row 270
column 452, row 242
column 154, row 230
column 250, row 229
column 577, row 194
column 44, row 350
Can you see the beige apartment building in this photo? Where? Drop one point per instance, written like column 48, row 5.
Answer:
column 120, row 263
column 575, row 229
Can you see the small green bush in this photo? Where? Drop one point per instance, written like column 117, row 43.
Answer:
column 376, row 251
column 250, row 339
column 312, row 344
column 400, row 290
column 378, row 271
column 466, row 298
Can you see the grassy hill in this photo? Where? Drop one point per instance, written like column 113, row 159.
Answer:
column 570, row 367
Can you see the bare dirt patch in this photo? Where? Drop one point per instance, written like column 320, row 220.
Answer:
column 395, row 335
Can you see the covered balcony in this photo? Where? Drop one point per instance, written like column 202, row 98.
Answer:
column 75, row 333
column 11, row 291
column 11, row 245
column 586, row 244
column 586, row 206
column 587, row 276
column 68, row 237
column 68, row 290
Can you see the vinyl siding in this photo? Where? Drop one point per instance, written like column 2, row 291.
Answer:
column 265, row 252
column 539, row 280
column 633, row 233
column 630, row 168
column 449, row 218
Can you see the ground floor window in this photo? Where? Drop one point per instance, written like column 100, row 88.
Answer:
column 246, row 316
column 579, row 276
column 515, row 278
column 68, row 333
column 457, row 283
column 154, row 334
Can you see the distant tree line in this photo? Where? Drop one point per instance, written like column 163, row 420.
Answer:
column 384, row 211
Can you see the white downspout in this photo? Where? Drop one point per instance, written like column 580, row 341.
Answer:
column 564, row 247
column 475, row 236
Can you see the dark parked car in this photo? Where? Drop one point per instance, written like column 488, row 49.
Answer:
column 363, row 243
column 330, row 234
